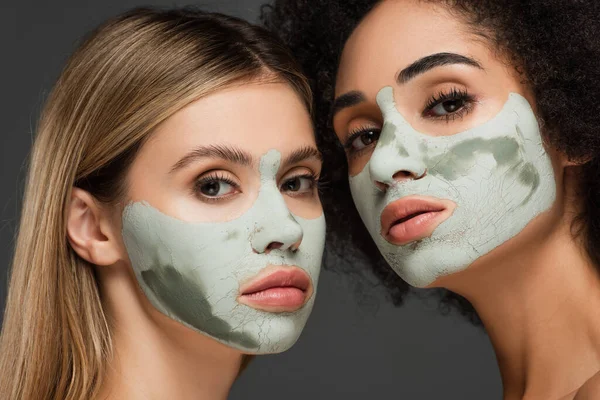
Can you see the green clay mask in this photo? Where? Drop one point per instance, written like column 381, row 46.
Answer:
column 498, row 175
column 192, row 272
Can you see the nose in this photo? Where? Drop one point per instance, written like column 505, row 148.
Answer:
column 389, row 166
column 282, row 246
column 276, row 228
column 398, row 156
column 403, row 175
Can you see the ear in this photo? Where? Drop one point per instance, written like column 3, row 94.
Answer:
column 573, row 163
column 566, row 161
column 91, row 230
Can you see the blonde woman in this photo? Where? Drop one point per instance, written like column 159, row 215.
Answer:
column 171, row 224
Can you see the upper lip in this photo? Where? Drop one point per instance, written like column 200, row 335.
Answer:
column 406, row 208
column 280, row 277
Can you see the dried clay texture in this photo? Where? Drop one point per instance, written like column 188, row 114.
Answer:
column 191, row 272
column 498, row 174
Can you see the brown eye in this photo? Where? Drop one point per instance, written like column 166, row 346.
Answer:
column 298, row 184
column 215, row 188
column 365, row 139
column 448, row 107
column 292, row 185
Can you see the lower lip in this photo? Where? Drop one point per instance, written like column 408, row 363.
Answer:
column 414, row 229
column 281, row 298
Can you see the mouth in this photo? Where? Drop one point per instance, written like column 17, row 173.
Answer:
column 411, row 219
column 277, row 289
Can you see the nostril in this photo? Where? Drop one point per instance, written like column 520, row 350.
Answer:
column 381, row 186
column 294, row 248
column 273, row 246
column 403, row 175
column 408, row 175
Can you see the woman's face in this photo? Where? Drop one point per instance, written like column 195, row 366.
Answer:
column 223, row 226
column 445, row 155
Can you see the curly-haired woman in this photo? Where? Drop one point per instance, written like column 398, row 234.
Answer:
column 469, row 130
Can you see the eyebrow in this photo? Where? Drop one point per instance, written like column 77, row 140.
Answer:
column 302, row 154
column 228, row 153
column 418, row 67
column 346, row 100
column 432, row 61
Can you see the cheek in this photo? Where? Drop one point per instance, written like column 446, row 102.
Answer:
column 191, row 208
column 116, row 228
column 179, row 197
column 368, row 200
column 559, row 162
column 356, row 164
column 307, row 207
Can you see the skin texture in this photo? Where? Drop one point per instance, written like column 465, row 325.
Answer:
column 498, row 171
column 192, row 272
column 157, row 356
column 538, row 292
column 553, row 44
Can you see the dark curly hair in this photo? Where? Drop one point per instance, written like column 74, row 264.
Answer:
column 553, row 44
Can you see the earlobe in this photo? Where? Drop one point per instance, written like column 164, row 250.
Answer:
column 90, row 231
column 567, row 161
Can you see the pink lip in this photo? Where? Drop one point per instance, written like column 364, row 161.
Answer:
column 277, row 289
column 413, row 218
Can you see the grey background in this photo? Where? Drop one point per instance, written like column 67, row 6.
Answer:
column 354, row 346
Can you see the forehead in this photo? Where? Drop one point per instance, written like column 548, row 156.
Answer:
column 255, row 116
column 394, row 35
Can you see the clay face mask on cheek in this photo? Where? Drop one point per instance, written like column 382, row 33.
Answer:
column 192, row 272
column 498, row 176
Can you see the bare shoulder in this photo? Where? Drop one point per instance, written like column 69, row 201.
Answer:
column 590, row 390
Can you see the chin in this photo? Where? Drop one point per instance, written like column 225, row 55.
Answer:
column 424, row 264
column 277, row 335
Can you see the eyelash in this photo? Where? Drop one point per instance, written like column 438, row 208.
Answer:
column 435, row 100
column 312, row 177
column 213, row 177
column 219, row 177
column 356, row 133
column 453, row 94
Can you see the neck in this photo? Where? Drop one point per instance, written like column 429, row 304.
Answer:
column 156, row 357
column 542, row 314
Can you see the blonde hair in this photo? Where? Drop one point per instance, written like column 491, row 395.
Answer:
column 131, row 74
